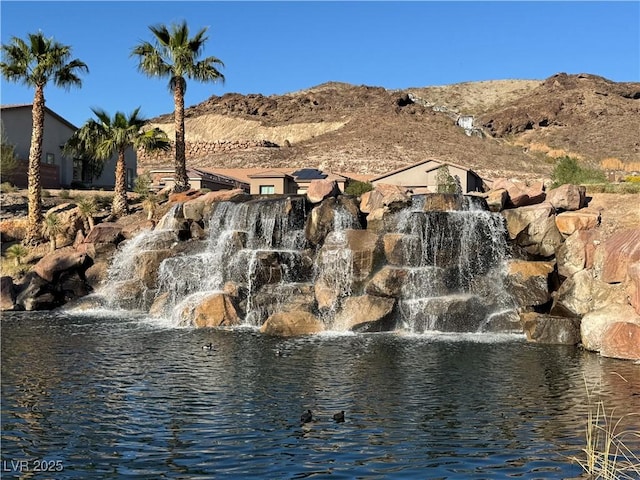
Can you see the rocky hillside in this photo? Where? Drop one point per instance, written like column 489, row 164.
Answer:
column 519, row 127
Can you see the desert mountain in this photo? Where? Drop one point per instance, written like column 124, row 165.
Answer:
column 518, row 127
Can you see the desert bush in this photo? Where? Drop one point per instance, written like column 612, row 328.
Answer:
column 46, row 194
column 357, row 188
column 16, row 252
column 142, row 185
column 632, row 179
column 205, row 190
column 568, row 170
column 64, row 193
column 6, row 187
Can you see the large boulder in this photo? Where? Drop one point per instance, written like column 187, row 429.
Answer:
column 147, row 265
column 361, row 249
column 319, row 190
column 321, row 221
column 634, row 285
column 528, row 282
column 7, row 294
column 292, row 323
column 449, row 313
column 621, row 340
column 577, row 252
column 388, row 282
column 582, row 293
column 567, row 197
column 534, row 228
column 497, row 199
column 214, row 310
column 520, row 194
column 384, row 195
column 595, row 324
column 541, row 328
column 52, row 266
column 570, row 222
column 365, row 313
column 619, row 251
column 442, row 202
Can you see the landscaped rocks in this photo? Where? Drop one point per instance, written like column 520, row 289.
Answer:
column 596, row 323
column 542, row 328
column 570, row 222
column 388, row 282
column 620, row 250
column 62, row 262
column 497, row 199
column 365, row 313
column 292, row 323
column 534, row 228
column 384, row 195
column 319, row 190
column 528, row 282
column 621, row 340
column 567, row 197
column 7, row 294
column 215, row 310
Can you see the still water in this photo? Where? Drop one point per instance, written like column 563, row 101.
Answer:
column 121, row 397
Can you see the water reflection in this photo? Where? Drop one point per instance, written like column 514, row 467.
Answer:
column 114, row 397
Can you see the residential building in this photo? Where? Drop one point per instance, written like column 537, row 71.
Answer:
column 57, row 170
column 423, row 175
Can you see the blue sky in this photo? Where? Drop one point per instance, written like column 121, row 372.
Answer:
column 280, row 47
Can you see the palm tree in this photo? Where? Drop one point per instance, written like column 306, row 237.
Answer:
column 173, row 54
column 88, row 208
column 35, row 62
column 17, row 252
column 52, row 227
column 106, row 136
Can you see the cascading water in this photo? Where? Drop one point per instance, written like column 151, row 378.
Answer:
column 252, row 244
column 442, row 268
column 456, row 267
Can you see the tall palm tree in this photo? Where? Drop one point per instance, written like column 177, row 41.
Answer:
column 106, row 136
column 35, row 62
column 173, row 54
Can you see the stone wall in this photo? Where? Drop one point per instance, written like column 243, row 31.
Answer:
column 197, row 150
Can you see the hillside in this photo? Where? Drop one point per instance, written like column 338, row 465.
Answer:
column 371, row 130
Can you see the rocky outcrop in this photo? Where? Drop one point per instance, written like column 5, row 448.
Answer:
column 621, row 340
column 215, row 310
column 366, row 313
column 520, row 194
column 619, row 251
column 567, row 197
column 534, row 228
column 570, row 222
column 319, row 190
column 292, row 323
column 528, row 282
column 596, row 323
column 542, row 328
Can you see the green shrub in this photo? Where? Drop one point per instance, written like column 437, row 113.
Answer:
column 567, row 170
column 65, row 194
column 142, row 184
column 357, row 188
column 632, row 179
column 46, row 194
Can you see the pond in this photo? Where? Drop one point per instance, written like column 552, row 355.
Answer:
column 112, row 396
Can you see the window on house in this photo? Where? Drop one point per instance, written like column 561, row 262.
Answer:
column 77, row 169
column 50, row 158
column 267, row 189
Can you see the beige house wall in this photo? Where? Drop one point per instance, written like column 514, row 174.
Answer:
column 425, row 175
column 281, row 185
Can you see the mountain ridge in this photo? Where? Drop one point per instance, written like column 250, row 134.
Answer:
column 520, row 127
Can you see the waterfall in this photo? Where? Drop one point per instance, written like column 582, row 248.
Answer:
column 440, row 268
column 251, row 244
column 456, row 279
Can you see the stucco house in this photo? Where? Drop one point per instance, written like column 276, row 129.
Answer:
column 57, row 170
column 198, row 178
column 423, row 175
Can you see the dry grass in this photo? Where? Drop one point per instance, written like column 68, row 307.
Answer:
column 607, row 455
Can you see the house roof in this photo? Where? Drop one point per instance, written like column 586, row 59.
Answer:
column 402, row 169
column 47, row 109
column 270, row 174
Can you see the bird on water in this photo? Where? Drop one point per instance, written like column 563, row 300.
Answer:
column 306, row 417
column 208, row 346
column 339, row 417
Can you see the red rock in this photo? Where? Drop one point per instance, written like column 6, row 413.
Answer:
column 50, row 266
column 567, row 197
column 621, row 340
column 570, row 222
column 320, row 189
column 620, row 250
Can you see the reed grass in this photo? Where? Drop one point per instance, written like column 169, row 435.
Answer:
column 607, row 454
